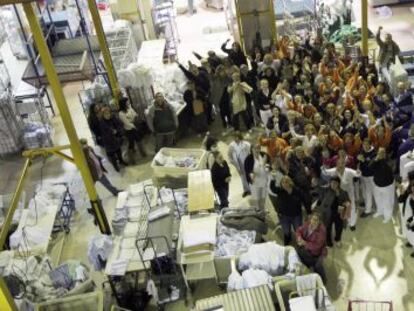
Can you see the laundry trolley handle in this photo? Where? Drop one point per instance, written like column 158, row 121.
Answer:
column 366, row 305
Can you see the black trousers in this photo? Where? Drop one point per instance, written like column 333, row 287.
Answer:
column 114, row 157
column 246, row 119
column 339, row 227
column 287, row 223
column 208, row 106
column 132, row 136
column 225, row 112
column 312, row 262
column 223, row 194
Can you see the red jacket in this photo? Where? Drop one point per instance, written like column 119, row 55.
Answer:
column 316, row 241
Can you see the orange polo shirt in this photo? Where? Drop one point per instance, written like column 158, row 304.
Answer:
column 353, row 148
column 335, row 143
column 377, row 142
column 275, row 146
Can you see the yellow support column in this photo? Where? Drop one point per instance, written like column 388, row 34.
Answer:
column 75, row 145
column 239, row 25
column 273, row 19
column 109, row 66
column 364, row 27
column 6, row 300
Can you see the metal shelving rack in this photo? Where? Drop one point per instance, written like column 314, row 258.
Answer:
column 4, row 75
column 123, row 47
column 164, row 17
column 32, row 112
column 10, row 125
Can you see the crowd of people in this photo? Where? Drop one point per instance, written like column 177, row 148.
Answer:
column 333, row 134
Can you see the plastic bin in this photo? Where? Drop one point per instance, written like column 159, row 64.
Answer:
column 85, row 302
column 176, row 177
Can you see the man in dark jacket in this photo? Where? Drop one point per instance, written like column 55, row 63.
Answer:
column 334, row 205
column 162, row 121
column 236, row 54
column 287, row 201
column 300, row 168
column 389, row 50
column 112, row 137
column 96, row 168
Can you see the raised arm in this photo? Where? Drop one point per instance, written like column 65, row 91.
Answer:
column 378, row 37
column 224, row 48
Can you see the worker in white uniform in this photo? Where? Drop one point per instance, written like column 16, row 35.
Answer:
column 346, row 176
column 384, row 186
column 257, row 168
column 365, row 157
column 309, row 140
column 406, row 164
column 406, row 199
column 239, row 149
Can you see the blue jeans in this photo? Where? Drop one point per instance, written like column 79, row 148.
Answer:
column 287, row 222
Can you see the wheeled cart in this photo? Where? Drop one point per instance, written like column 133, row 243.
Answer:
column 287, row 290
column 365, row 305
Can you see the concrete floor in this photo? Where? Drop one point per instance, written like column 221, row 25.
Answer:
column 372, row 264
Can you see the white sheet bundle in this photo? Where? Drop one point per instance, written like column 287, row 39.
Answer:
column 269, row 257
column 302, row 303
column 249, row 279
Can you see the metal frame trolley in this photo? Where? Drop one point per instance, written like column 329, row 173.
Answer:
column 162, row 269
column 367, row 305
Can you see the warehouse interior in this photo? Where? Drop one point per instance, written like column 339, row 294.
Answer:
column 70, row 241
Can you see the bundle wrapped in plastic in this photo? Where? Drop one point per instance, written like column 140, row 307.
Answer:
column 170, row 80
column 28, row 237
column 46, row 199
column 233, row 242
column 126, row 78
column 37, row 135
column 99, row 248
column 143, row 76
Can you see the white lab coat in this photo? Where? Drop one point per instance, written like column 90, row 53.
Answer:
column 409, row 234
column 406, row 165
column 307, row 143
column 237, row 154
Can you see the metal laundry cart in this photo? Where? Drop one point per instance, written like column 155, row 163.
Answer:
column 86, row 302
column 162, row 269
column 287, row 289
column 366, row 305
column 257, row 298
